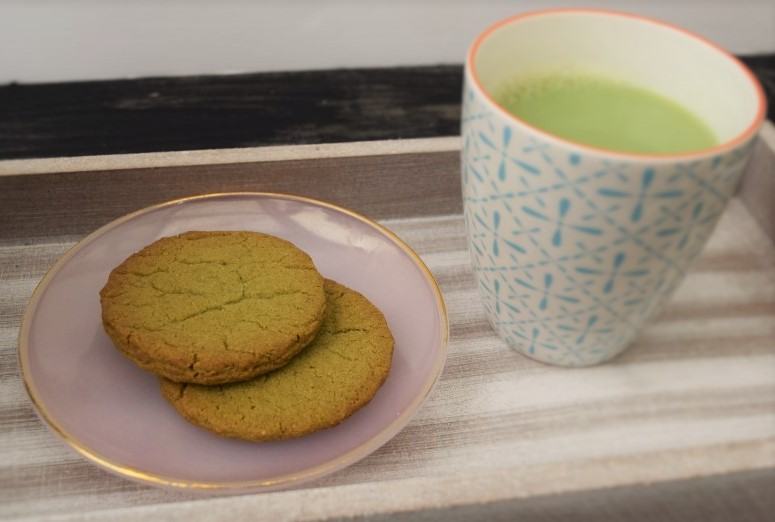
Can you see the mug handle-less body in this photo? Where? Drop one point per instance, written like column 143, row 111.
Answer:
column 575, row 248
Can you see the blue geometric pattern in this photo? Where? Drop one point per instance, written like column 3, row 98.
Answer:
column 574, row 252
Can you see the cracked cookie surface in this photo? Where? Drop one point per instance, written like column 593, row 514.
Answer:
column 213, row 307
column 338, row 373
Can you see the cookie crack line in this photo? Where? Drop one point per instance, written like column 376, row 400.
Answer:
column 199, row 313
column 343, row 356
column 350, row 330
column 182, row 390
column 197, row 263
column 261, row 325
column 194, row 359
column 241, row 282
column 268, row 267
column 273, row 295
column 228, row 348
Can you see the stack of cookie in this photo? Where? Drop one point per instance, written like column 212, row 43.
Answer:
column 249, row 340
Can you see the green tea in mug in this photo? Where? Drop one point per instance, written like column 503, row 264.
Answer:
column 606, row 113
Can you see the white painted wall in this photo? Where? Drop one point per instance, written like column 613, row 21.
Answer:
column 54, row 40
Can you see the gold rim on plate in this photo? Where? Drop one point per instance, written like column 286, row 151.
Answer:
column 318, row 471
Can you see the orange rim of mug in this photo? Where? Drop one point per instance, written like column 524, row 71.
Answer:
column 743, row 136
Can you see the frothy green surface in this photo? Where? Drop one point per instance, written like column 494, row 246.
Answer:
column 606, row 113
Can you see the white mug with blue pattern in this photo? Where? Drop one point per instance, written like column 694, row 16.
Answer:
column 575, row 248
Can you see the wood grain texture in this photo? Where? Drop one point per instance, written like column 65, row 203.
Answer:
column 693, row 401
column 47, row 205
column 710, row 499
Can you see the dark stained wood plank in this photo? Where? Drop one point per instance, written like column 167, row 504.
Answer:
column 186, row 113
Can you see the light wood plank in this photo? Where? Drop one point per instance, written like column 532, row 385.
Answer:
column 694, row 397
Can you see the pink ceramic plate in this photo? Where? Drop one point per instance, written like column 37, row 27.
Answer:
column 111, row 411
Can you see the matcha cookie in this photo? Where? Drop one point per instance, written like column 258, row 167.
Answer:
column 213, row 307
column 338, row 373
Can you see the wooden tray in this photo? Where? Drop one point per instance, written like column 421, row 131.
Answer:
column 681, row 427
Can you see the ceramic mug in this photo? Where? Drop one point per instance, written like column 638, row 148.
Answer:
column 574, row 248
